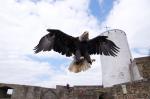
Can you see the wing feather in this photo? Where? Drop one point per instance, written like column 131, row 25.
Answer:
column 102, row 45
column 58, row 41
column 45, row 44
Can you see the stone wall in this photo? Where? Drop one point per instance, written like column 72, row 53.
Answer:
column 79, row 92
column 134, row 90
column 143, row 64
column 61, row 92
column 29, row 92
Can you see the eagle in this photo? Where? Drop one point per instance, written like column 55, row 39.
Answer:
column 80, row 47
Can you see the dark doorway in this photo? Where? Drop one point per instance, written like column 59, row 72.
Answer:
column 106, row 96
column 6, row 92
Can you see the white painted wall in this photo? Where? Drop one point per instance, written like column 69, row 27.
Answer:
column 115, row 70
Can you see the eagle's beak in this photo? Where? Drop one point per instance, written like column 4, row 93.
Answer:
column 84, row 36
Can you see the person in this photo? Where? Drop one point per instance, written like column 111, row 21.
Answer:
column 68, row 86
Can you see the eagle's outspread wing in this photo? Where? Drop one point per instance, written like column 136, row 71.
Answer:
column 102, row 45
column 58, row 41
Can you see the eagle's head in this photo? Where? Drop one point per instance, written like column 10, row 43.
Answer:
column 84, row 36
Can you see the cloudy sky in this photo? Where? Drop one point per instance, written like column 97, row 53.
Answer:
column 24, row 22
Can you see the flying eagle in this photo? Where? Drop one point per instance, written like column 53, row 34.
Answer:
column 81, row 47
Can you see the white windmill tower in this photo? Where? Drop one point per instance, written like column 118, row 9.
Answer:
column 120, row 69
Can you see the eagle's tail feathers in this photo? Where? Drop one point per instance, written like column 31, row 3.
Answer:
column 78, row 67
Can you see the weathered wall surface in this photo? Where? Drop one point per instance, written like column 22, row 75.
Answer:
column 30, row 92
column 61, row 92
column 79, row 92
column 135, row 90
column 131, row 90
column 143, row 64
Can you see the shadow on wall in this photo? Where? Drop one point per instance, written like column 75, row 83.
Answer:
column 6, row 92
column 106, row 96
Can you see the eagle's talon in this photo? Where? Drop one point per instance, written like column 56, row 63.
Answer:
column 93, row 60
